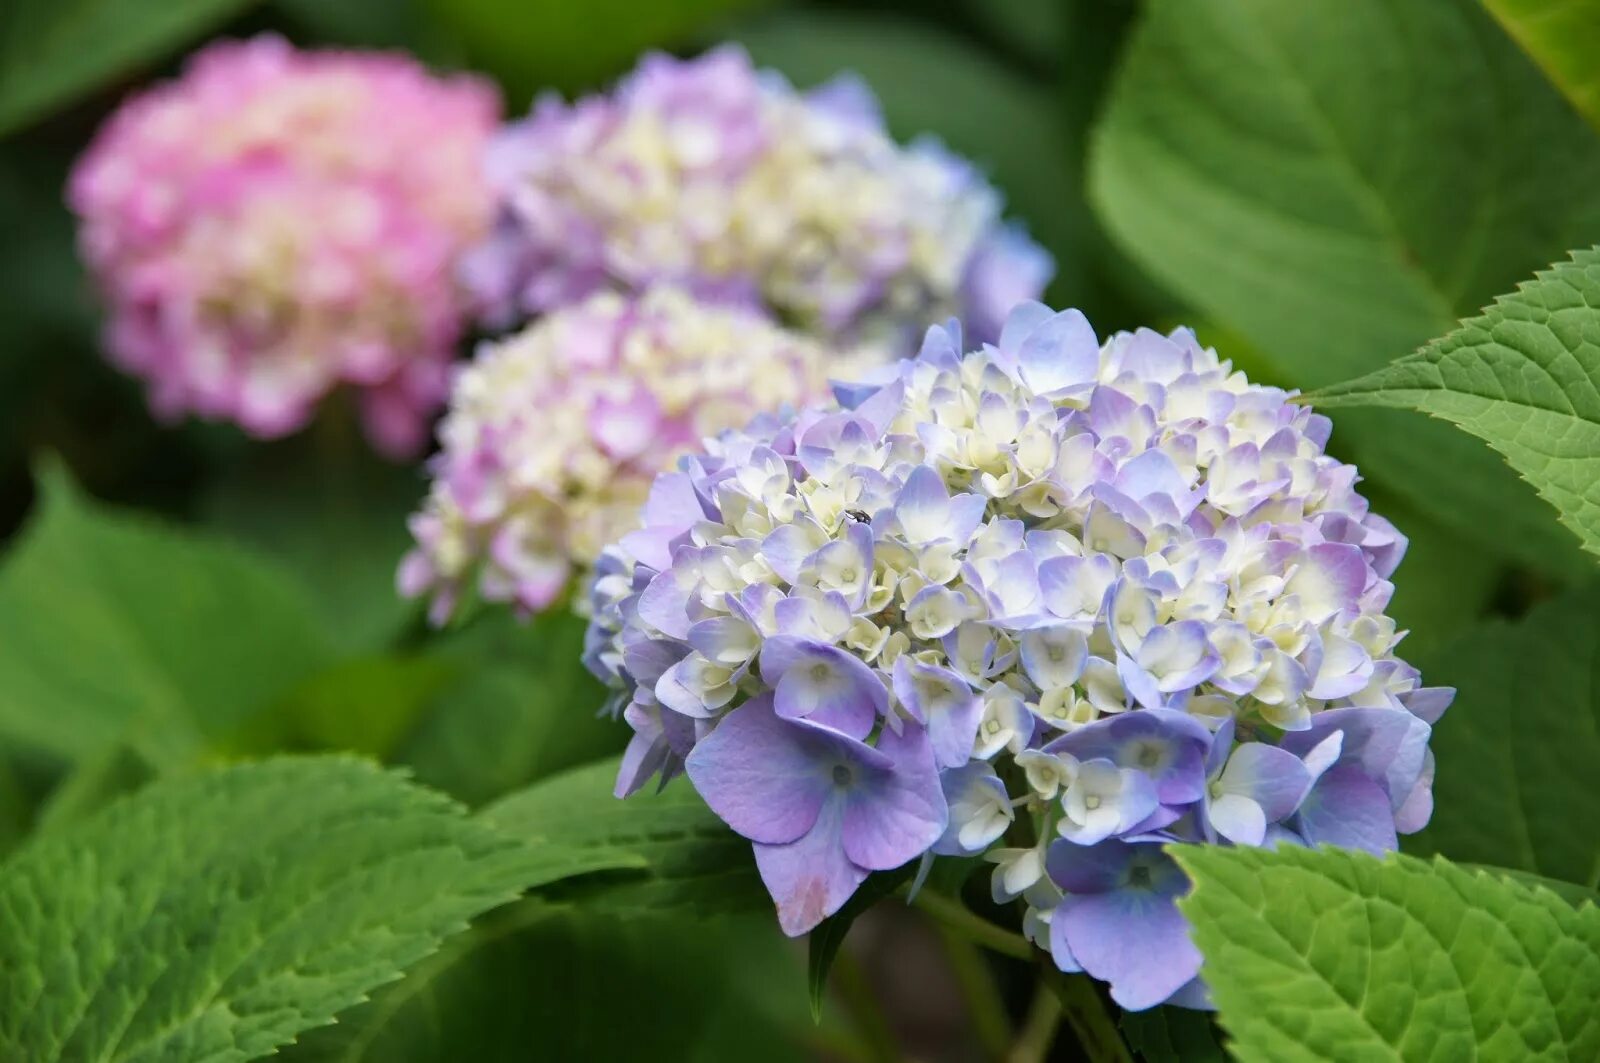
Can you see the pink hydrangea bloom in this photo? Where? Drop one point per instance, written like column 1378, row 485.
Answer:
column 276, row 223
column 555, row 433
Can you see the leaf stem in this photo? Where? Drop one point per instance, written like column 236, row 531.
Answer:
column 956, row 918
column 1038, row 1029
column 1086, row 1013
column 985, row 1006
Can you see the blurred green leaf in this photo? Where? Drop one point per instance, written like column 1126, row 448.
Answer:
column 116, row 628
column 691, row 861
column 523, row 706
column 1563, row 37
column 1519, row 751
column 54, row 50
column 1525, row 378
column 536, row 44
column 930, row 82
column 325, row 506
column 366, row 705
column 545, row 982
column 219, row 915
column 366, row 23
column 1340, row 182
column 1036, row 29
column 1330, row 954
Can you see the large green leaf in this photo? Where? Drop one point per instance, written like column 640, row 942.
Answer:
column 1563, row 37
column 1340, row 181
column 217, row 916
column 691, row 861
column 1519, row 751
column 113, row 627
column 547, row 982
column 52, row 51
column 324, row 506
column 930, row 82
column 523, row 707
column 1525, row 377
column 1328, row 954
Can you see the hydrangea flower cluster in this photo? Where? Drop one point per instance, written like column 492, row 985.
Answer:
column 554, row 435
column 276, row 223
column 1051, row 601
column 708, row 174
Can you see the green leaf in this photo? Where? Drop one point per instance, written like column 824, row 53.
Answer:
column 1524, row 377
column 367, row 705
column 535, row 44
column 1563, row 37
column 116, row 628
column 325, row 507
column 1172, row 1035
column 539, row 981
column 1519, row 751
column 1339, row 181
column 217, row 916
column 522, row 708
column 822, row 944
column 688, row 859
column 53, row 52
column 1327, row 954
column 930, row 82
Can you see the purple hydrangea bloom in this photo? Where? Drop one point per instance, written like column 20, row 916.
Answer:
column 1118, row 919
column 823, row 808
column 1121, row 567
column 709, row 174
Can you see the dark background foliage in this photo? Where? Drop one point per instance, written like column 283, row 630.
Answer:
column 1317, row 188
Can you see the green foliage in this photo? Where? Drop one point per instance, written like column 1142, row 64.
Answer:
column 1563, row 37
column 548, row 982
column 1519, row 751
column 522, row 707
column 1172, row 1035
column 1328, row 954
column 822, row 944
column 217, row 916
column 115, row 628
column 536, row 44
column 52, row 52
column 1339, row 181
column 325, row 507
column 687, row 860
column 1523, row 376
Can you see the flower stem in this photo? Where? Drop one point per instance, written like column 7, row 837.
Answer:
column 861, row 1003
column 1086, row 1013
column 985, row 1006
column 954, row 917
column 1038, row 1029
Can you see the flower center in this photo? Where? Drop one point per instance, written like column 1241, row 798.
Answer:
column 819, row 672
column 1139, row 876
column 841, row 775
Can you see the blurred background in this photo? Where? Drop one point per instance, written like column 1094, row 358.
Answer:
column 1020, row 87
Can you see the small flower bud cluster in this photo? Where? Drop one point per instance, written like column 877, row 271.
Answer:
column 277, row 223
column 708, row 174
column 554, row 435
column 1052, row 601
